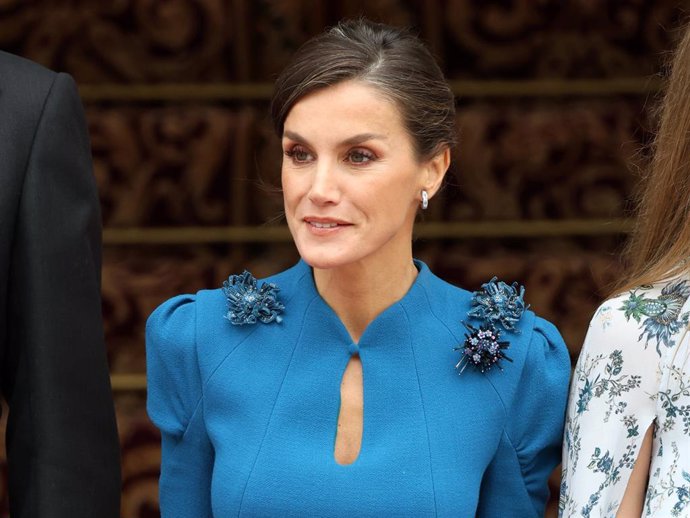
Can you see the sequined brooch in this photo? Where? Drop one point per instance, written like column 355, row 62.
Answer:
column 248, row 304
column 483, row 348
column 496, row 305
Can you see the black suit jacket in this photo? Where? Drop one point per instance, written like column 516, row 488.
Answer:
column 61, row 437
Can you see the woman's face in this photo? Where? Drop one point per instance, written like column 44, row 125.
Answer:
column 351, row 180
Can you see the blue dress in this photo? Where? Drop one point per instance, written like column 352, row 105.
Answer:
column 248, row 413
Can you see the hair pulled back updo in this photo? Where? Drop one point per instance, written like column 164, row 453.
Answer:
column 390, row 59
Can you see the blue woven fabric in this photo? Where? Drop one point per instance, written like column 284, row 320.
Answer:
column 248, row 413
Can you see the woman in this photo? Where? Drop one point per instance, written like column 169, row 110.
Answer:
column 331, row 389
column 627, row 437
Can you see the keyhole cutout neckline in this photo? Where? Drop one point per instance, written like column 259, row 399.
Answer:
column 353, row 345
column 350, row 425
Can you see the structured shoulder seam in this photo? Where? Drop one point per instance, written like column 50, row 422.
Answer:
column 222, row 360
column 421, row 397
column 522, row 375
column 197, row 406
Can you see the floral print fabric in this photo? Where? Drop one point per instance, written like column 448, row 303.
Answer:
column 633, row 373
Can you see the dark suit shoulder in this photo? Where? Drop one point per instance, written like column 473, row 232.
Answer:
column 18, row 74
column 25, row 87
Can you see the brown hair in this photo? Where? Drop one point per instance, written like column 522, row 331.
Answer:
column 660, row 242
column 390, row 59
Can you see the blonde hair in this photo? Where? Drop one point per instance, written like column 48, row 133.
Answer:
column 660, row 243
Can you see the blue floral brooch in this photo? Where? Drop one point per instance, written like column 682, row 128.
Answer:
column 483, row 348
column 248, row 304
column 499, row 303
column 496, row 305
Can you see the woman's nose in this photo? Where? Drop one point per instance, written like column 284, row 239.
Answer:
column 324, row 187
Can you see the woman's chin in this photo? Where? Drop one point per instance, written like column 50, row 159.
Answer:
column 322, row 263
column 323, row 260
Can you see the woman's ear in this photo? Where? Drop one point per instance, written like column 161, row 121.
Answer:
column 435, row 170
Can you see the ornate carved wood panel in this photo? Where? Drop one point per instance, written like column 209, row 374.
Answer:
column 554, row 111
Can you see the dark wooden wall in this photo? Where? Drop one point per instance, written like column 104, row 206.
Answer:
column 555, row 105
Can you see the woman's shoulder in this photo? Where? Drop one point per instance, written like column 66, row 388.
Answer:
column 496, row 303
column 532, row 374
column 650, row 316
column 224, row 315
column 170, row 326
column 530, row 345
column 241, row 298
column 245, row 299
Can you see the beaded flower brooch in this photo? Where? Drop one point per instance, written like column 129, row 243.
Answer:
column 496, row 304
column 248, row 304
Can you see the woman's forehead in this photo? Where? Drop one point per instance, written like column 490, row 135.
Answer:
column 349, row 108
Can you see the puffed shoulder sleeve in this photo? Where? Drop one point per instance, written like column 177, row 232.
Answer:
column 536, row 420
column 175, row 405
column 611, row 406
column 174, row 385
column 517, row 480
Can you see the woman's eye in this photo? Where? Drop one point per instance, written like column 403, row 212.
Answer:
column 360, row 157
column 299, row 154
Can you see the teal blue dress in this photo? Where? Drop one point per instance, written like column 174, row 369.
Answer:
column 248, row 413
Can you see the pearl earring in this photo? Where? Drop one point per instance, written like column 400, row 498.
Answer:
column 425, row 200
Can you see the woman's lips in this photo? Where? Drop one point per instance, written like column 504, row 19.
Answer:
column 325, row 226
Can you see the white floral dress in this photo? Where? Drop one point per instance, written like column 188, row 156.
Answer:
column 633, row 373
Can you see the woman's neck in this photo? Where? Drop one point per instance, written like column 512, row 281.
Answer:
column 359, row 292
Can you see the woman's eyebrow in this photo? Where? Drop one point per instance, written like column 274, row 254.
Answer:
column 363, row 137
column 351, row 141
column 294, row 136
